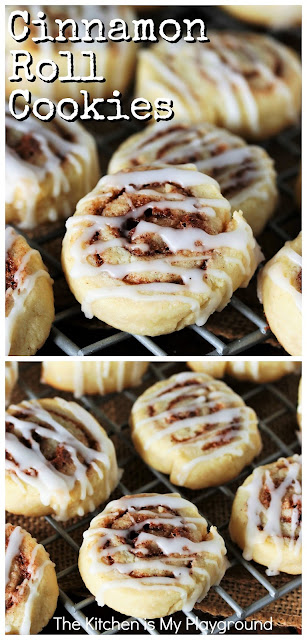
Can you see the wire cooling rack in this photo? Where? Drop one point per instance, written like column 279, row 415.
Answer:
column 71, row 334
column 274, row 395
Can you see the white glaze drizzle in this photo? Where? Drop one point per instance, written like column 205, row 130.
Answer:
column 222, row 61
column 53, row 485
column 103, row 370
column 81, row 229
column 220, row 415
column 30, row 585
column 270, row 517
column 24, row 175
column 25, row 284
column 202, row 145
column 177, row 551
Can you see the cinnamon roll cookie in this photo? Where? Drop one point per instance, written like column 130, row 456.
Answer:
column 266, row 516
column 251, row 370
column 280, row 291
column 49, row 167
column 92, row 377
column 31, row 588
column 29, row 306
column 275, row 16
column 195, row 429
column 245, row 82
column 245, row 173
column 11, row 376
column 150, row 555
column 114, row 60
column 156, row 249
column 59, row 460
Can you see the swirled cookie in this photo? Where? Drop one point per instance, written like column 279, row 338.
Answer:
column 299, row 405
column 31, row 588
column 114, row 60
column 245, row 82
column 59, row 460
column 196, row 429
column 245, row 173
column 266, row 516
column 275, row 16
column 49, row 167
column 29, row 306
column 150, row 555
column 280, row 291
column 154, row 250
column 11, row 376
column 252, row 370
column 92, row 377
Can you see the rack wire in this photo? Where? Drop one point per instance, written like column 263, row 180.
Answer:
column 71, row 335
column 276, row 447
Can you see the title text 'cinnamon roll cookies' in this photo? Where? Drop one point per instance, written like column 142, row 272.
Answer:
column 92, row 377
column 59, row 460
column 251, row 370
column 156, row 249
column 31, row 589
column 245, row 173
column 150, row 555
column 115, row 61
column 245, row 82
column 196, row 429
column 280, row 291
column 29, row 306
column 266, row 516
column 49, row 167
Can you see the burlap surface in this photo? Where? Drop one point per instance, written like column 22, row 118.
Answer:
column 243, row 588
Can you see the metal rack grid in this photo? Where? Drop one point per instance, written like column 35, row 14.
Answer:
column 61, row 340
column 159, row 372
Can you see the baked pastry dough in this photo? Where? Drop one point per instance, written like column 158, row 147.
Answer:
column 31, row 588
column 245, row 173
column 280, row 291
column 210, row 367
column 29, row 306
column 11, row 376
column 70, row 472
column 49, row 167
column 275, row 16
column 150, row 555
column 252, row 370
column 299, row 405
column 245, row 82
column 196, row 429
column 115, row 61
column 266, row 516
column 156, row 249
column 92, row 377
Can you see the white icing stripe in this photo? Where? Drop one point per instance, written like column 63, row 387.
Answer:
column 31, row 585
column 12, row 550
column 177, row 551
column 55, row 486
column 82, row 228
column 269, row 516
column 25, row 284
